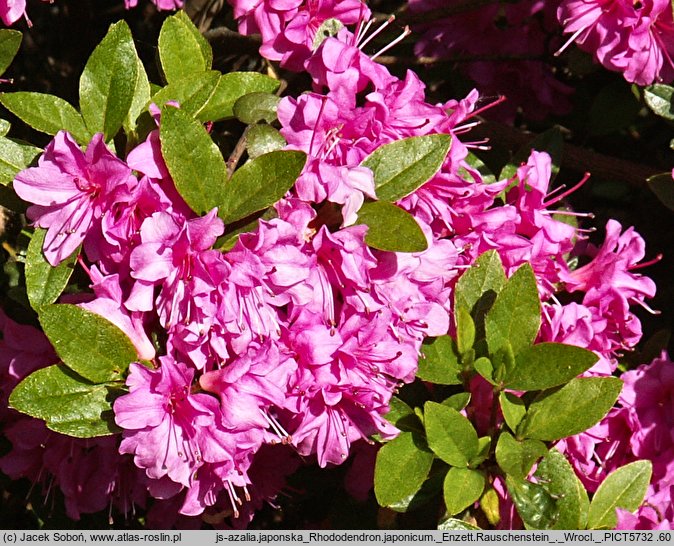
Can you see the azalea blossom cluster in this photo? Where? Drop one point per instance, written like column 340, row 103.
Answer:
column 295, row 340
column 635, row 38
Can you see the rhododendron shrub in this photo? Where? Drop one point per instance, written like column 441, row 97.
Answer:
column 352, row 286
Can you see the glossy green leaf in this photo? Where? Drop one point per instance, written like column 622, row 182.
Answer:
column 450, row 435
column 259, row 184
column 534, row 504
column 231, row 87
column 429, row 491
column 478, row 287
column 557, row 477
column 550, row 141
column 140, row 100
column 462, row 487
column 192, row 93
column 658, row 97
column 108, row 82
column 662, row 185
column 465, row 330
column 15, row 157
column 401, row 468
column 513, row 409
column 10, row 42
column 5, row 126
column 515, row 316
column 570, row 409
column 46, row 113
column 256, row 107
column 439, row 363
column 548, row 365
column 391, row 228
column 453, row 524
column 402, row 416
column 483, row 451
column 44, row 283
column 485, row 368
column 517, row 457
column 623, row 488
column 87, row 343
column 402, row 166
column 263, row 139
column 183, row 51
column 193, row 159
column 66, row 402
column 457, row 401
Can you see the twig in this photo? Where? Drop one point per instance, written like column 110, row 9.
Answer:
column 236, row 154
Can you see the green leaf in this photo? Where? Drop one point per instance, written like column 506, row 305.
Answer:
column 517, row 457
column 259, row 183
column 450, row 435
column 66, row 402
column 515, row 316
column 391, row 228
column 192, row 93
column 231, row 87
column 571, row 409
column 485, row 368
column 256, row 107
column 478, row 287
column 463, row 486
column 402, row 166
column 658, row 97
column 45, row 283
column 623, row 488
column 547, row 365
column 439, row 363
column 457, row 401
column 263, row 139
column 5, row 126
column 193, row 159
column 551, row 141
column 10, row 42
column 46, row 113
column 140, row 100
column 401, row 468
column 558, row 478
column 330, row 27
column 513, row 409
column 465, row 330
column 108, row 82
column 15, row 157
column 534, row 504
column 483, row 447
column 430, row 490
column 662, row 185
column 453, row 524
column 402, row 416
column 183, row 51
column 87, row 343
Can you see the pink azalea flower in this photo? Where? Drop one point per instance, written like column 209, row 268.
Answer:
column 175, row 254
column 634, row 38
column 170, row 431
column 71, row 190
